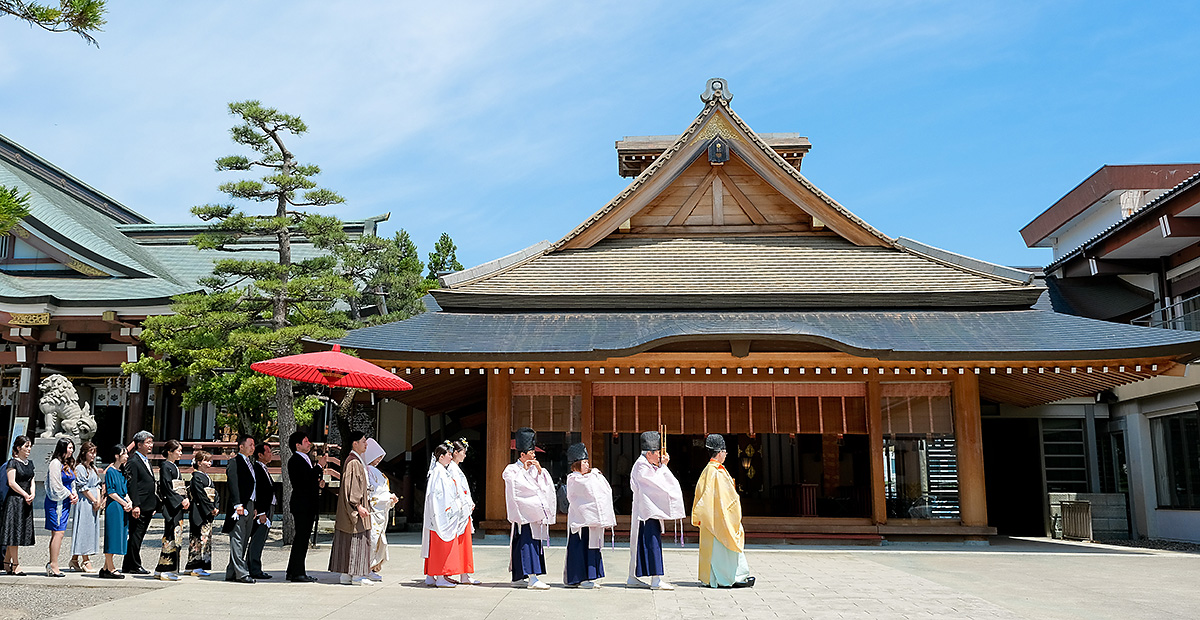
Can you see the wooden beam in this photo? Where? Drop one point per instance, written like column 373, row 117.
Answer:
column 743, row 201
column 1175, row 226
column 499, row 419
column 693, row 199
column 968, row 435
column 875, row 438
column 718, row 201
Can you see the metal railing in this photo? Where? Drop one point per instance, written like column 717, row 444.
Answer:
column 1077, row 520
column 1174, row 316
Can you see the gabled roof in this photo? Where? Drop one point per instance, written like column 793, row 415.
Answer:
column 814, row 254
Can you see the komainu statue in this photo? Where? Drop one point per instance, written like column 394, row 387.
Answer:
column 63, row 415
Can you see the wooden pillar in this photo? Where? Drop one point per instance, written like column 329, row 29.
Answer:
column 499, row 435
column 587, row 416
column 968, row 435
column 135, row 415
column 875, row 439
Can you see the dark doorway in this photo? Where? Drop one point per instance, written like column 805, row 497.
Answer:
column 1013, row 470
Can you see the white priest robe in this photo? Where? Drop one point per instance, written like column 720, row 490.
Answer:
column 591, row 505
column 446, row 514
column 656, row 495
column 530, row 498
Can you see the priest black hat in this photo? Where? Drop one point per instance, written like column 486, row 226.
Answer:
column 714, row 442
column 576, row 452
column 525, row 439
column 651, row 441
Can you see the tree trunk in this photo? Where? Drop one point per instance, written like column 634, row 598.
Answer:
column 285, row 415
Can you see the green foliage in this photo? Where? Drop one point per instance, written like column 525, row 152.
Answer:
column 13, row 206
column 82, row 17
column 387, row 278
column 442, row 258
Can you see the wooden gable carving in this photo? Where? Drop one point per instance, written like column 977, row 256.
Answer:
column 720, row 199
column 747, row 190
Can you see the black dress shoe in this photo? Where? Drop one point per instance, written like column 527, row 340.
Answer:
column 748, row 583
column 136, row 571
column 246, row 579
column 261, row 576
column 302, row 579
column 107, row 574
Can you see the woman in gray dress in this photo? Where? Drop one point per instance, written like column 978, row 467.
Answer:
column 85, row 537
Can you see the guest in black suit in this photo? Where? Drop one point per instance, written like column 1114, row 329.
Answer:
column 139, row 476
column 264, row 507
column 240, row 516
column 307, row 481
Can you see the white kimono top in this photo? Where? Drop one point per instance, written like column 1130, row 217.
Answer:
column 445, row 512
column 464, row 489
column 656, row 492
column 591, row 505
column 530, row 498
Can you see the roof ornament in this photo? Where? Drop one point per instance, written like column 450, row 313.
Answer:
column 717, row 87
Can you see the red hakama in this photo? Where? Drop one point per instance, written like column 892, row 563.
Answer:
column 449, row 558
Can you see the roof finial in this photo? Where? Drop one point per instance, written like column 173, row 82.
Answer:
column 717, row 87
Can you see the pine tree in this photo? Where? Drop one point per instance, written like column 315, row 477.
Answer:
column 442, row 258
column 83, row 17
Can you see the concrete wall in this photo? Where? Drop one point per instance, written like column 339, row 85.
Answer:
column 1109, row 518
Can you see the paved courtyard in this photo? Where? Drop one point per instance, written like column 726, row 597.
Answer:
column 1012, row 578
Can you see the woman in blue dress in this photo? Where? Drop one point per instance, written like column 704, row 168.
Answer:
column 116, row 514
column 60, row 496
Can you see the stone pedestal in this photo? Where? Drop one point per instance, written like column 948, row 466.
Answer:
column 43, row 447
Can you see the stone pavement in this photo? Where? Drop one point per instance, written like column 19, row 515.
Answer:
column 1012, row 578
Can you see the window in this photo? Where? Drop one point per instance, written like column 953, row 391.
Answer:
column 1176, row 441
column 1064, row 455
column 920, row 457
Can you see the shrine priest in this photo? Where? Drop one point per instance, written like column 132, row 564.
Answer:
column 590, row 512
column 532, row 506
column 717, row 511
column 656, row 497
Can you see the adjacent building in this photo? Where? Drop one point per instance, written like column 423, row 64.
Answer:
column 1127, row 249
column 77, row 278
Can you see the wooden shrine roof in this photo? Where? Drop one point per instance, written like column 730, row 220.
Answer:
column 783, row 272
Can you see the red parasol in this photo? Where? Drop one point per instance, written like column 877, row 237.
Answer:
column 332, row 368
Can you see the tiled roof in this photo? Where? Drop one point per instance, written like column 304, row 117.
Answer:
column 1132, row 217
column 64, row 221
column 787, row 272
column 887, row 335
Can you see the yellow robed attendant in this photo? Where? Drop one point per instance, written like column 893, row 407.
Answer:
column 717, row 511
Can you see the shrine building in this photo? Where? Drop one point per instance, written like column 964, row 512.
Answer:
column 723, row 292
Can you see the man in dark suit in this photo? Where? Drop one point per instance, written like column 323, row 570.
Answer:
column 143, row 494
column 264, row 503
column 239, row 519
column 307, row 481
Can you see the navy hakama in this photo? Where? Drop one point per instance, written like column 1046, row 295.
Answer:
column 527, row 555
column 649, row 549
column 583, row 562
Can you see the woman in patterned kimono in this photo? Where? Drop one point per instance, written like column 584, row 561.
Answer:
column 203, row 495
column 89, row 486
column 175, row 502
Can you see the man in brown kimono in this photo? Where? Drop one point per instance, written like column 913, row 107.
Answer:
column 351, row 551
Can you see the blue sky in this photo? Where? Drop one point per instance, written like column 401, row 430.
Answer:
column 954, row 123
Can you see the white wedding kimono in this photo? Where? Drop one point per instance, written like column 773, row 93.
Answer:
column 591, row 505
column 446, row 512
column 381, row 506
column 530, row 498
column 656, row 495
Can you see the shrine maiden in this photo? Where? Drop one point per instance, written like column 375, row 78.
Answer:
column 446, row 515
